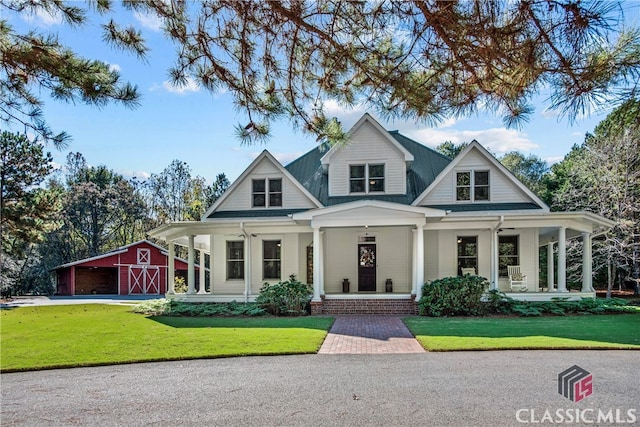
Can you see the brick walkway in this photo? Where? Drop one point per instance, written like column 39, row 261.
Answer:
column 369, row 335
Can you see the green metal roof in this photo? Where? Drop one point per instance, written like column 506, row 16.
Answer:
column 422, row 172
column 262, row 213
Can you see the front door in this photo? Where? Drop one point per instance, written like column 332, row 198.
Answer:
column 367, row 268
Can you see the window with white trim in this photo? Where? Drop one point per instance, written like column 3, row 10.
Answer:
column 366, row 178
column 266, row 192
column 472, row 186
column 467, row 253
column 271, row 259
column 508, row 253
column 235, row 260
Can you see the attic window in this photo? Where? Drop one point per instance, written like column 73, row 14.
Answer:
column 367, row 178
column 144, row 256
column 267, row 192
column 472, row 186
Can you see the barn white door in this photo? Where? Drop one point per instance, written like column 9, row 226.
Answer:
column 144, row 279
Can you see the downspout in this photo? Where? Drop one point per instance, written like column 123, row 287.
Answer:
column 494, row 254
column 247, row 264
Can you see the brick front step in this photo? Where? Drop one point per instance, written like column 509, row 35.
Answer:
column 365, row 306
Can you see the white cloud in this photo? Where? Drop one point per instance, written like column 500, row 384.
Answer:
column 498, row 140
column 190, row 86
column 348, row 116
column 114, row 67
column 286, row 158
column 128, row 174
column 548, row 113
column 553, row 160
column 44, row 17
column 152, row 22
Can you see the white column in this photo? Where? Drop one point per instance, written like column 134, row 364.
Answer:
column 247, row 268
column 550, row 269
column 420, row 259
column 587, row 270
column 211, row 241
column 171, row 269
column 191, row 273
column 321, row 246
column 414, row 262
column 562, row 259
column 201, row 271
column 317, row 284
column 494, row 260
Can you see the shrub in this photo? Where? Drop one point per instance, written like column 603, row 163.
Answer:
column 561, row 306
column 289, row 298
column 165, row 307
column 498, row 302
column 180, row 285
column 153, row 307
column 453, row 296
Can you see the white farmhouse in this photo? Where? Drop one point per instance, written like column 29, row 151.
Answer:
column 369, row 222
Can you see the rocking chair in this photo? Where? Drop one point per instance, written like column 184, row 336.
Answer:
column 517, row 280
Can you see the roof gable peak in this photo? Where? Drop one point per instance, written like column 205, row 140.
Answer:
column 367, row 118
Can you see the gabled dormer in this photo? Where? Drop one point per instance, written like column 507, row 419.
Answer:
column 373, row 163
column 265, row 188
column 476, row 180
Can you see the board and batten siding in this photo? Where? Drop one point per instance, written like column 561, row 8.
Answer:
column 240, row 199
column 367, row 146
column 501, row 188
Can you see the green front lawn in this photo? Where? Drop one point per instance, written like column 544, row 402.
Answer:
column 618, row 331
column 96, row 334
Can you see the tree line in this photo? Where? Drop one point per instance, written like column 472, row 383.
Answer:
column 52, row 217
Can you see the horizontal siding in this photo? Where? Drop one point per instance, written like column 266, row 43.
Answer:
column 240, row 199
column 220, row 283
column 502, row 189
column 367, row 145
column 394, row 257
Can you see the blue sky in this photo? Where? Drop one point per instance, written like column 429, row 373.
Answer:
column 198, row 127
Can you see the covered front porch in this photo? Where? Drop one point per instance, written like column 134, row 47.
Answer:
column 385, row 251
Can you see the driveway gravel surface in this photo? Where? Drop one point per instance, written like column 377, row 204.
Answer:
column 428, row 389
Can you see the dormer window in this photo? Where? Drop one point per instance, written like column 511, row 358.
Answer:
column 472, row 186
column 267, row 192
column 367, row 178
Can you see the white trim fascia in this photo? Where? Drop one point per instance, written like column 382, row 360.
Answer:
column 476, row 145
column 525, row 219
column 116, row 251
column 247, row 172
column 366, row 117
column 94, row 258
column 343, row 207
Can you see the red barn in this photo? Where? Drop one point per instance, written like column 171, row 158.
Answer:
column 138, row 268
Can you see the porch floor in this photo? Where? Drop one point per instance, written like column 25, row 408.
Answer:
column 369, row 334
